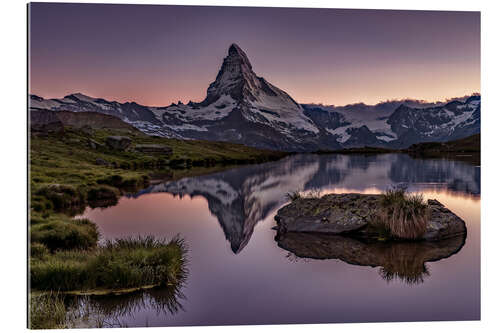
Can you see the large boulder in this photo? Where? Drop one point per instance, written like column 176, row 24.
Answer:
column 118, row 142
column 356, row 215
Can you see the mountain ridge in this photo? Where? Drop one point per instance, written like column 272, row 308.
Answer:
column 241, row 107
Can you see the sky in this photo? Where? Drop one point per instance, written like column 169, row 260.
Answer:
column 155, row 55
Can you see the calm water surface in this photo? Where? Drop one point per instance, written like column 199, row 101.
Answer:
column 239, row 275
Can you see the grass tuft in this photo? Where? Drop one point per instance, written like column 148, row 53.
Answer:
column 125, row 263
column 405, row 215
column 295, row 195
column 311, row 194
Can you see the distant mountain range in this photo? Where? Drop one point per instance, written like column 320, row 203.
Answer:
column 241, row 107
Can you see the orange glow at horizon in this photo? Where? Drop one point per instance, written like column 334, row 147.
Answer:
column 148, row 55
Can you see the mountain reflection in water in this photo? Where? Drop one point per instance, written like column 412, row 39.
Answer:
column 242, row 197
column 239, row 274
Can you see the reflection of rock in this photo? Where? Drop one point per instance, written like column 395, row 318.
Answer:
column 403, row 260
column 355, row 213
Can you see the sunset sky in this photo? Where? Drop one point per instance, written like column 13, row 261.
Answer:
column 156, row 55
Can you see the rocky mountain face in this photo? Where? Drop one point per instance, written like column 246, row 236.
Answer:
column 44, row 121
column 241, row 107
column 452, row 121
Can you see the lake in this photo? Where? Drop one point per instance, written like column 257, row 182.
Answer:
column 239, row 275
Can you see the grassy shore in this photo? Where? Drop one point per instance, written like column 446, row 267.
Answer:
column 73, row 169
column 467, row 150
column 66, row 172
column 122, row 264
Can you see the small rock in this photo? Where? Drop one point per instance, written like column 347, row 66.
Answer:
column 87, row 130
column 100, row 161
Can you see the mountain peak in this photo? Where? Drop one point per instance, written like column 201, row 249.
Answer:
column 236, row 52
column 81, row 97
column 235, row 77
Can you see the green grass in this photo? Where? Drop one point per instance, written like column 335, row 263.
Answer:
column 68, row 159
column 66, row 175
column 64, row 168
column 126, row 263
column 59, row 231
column 405, row 215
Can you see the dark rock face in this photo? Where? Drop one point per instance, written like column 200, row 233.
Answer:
column 82, row 103
column 362, row 136
column 118, row 142
column 323, row 118
column 235, row 78
column 440, row 123
column 403, row 260
column 353, row 214
column 45, row 122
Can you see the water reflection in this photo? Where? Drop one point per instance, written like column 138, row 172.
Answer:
column 233, row 212
column 405, row 261
column 242, row 197
column 108, row 310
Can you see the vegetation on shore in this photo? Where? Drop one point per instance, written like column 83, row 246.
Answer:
column 466, row 149
column 470, row 144
column 121, row 266
column 360, row 150
column 75, row 168
column 52, row 232
column 124, row 263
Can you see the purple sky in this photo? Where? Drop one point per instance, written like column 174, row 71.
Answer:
column 156, row 55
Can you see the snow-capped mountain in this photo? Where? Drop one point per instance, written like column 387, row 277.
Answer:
column 398, row 124
column 241, row 107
